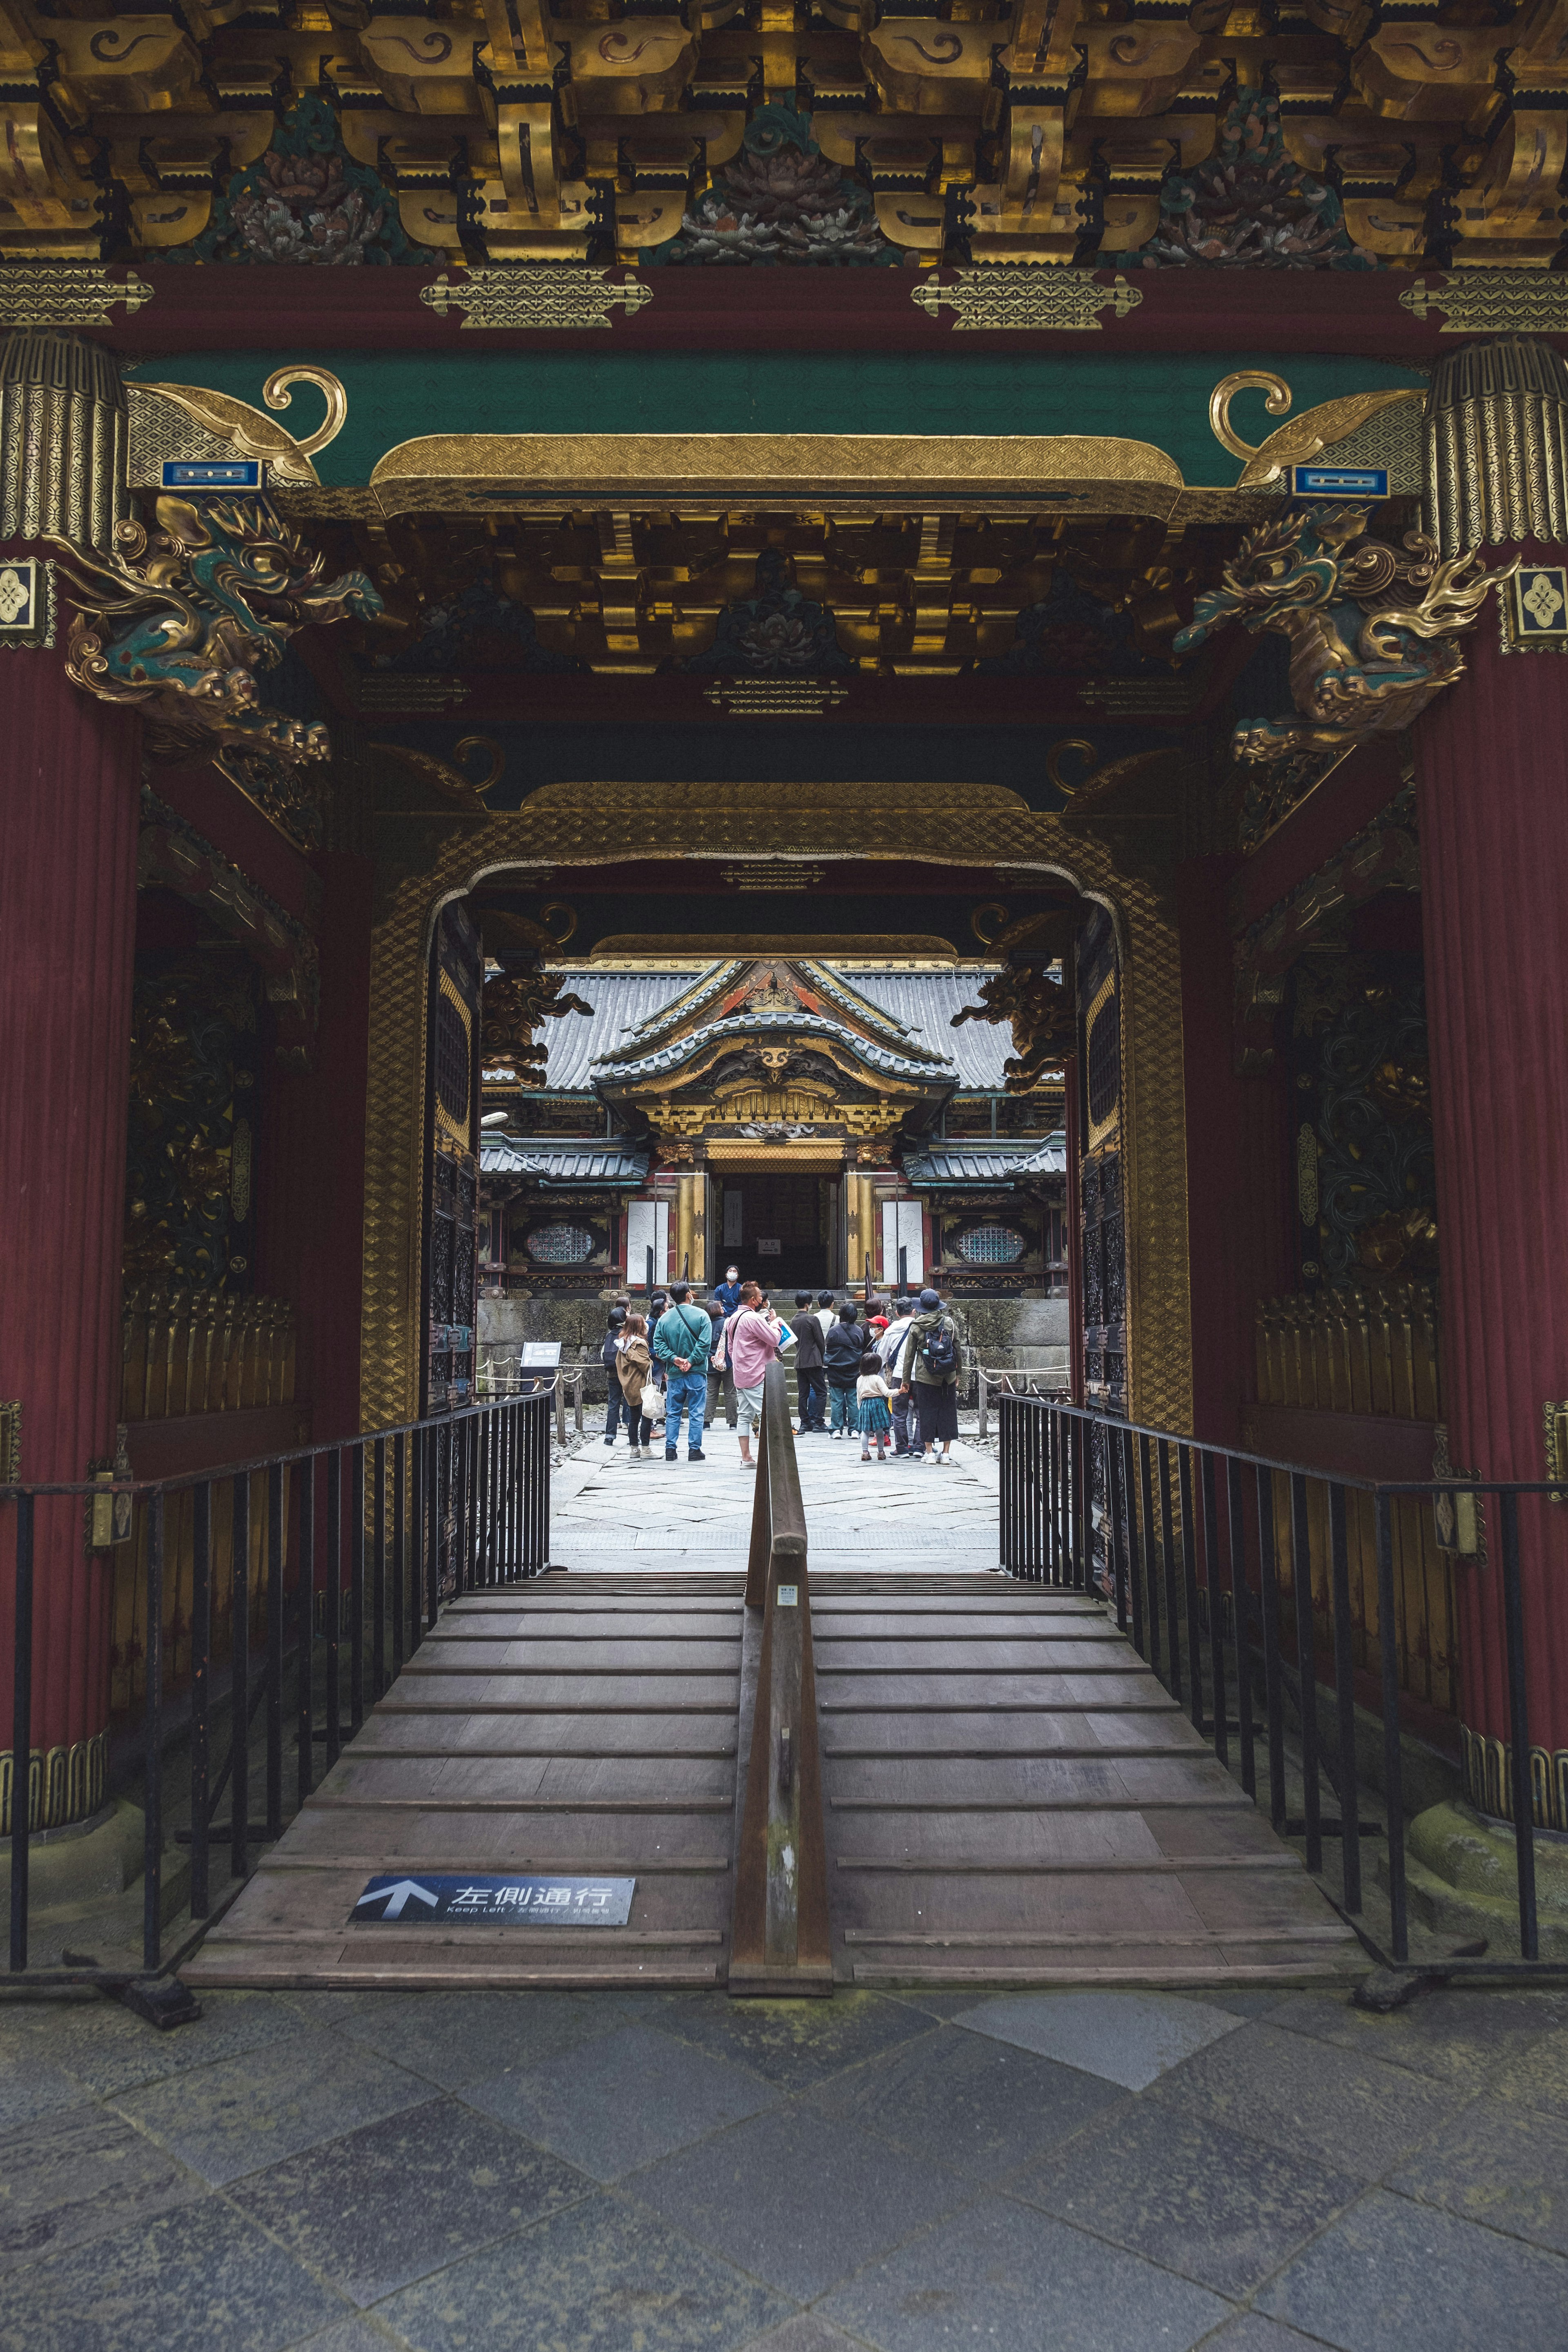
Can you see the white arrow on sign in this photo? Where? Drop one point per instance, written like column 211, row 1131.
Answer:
column 398, row 1898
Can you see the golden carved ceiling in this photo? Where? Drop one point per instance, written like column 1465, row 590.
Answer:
column 715, row 594
column 1090, row 128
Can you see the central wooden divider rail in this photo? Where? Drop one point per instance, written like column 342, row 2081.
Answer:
column 781, row 1939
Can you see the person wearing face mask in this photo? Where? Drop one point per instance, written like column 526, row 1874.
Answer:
column 728, row 1292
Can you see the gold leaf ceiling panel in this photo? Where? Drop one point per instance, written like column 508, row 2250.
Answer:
column 1232, row 133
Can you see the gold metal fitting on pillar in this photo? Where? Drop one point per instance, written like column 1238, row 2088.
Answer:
column 62, row 438
column 1554, row 1428
column 1496, row 446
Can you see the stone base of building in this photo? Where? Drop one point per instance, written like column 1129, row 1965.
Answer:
column 1461, row 1878
column 85, row 1861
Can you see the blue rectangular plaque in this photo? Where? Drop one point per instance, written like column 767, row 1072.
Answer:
column 231, row 474
column 1339, row 481
column 498, row 1902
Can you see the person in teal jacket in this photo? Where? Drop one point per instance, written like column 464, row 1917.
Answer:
column 682, row 1340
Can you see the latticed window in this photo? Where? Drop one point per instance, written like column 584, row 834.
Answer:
column 1104, row 1061
column 991, row 1245
column 451, row 1060
column 559, row 1244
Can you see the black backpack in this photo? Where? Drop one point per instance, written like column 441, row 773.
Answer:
column 939, row 1351
column 607, row 1353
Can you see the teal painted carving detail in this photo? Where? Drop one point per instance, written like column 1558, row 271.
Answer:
column 180, row 620
column 780, row 200
column 1249, row 207
column 306, row 203
column 1371, row 630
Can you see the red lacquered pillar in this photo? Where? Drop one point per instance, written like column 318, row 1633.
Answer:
column 69, row 784
column 1492, row 792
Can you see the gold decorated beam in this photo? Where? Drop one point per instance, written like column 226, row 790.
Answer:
column 509, row 130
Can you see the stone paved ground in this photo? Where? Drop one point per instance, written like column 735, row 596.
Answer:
column 1076, row 2172
column 610, row 1511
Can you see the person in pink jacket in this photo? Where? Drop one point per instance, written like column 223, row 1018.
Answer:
column 751, row 1342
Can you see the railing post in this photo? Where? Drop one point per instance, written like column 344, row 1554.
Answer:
column 331, row 1597
column 240, row 1677
column 275, row 1652
column 982, row 1401
column 1344, row 1698
column 780, row 1936
column 1519, row 1730
column 1306, row 1663
column 1392, row 1748
column 559, row 1407
column 201, row 1696
column 305, row 1626
column 356, row 1589
column 378, row 1571
column 22, row 1732
column 152, row 1753
column 1268, row 1602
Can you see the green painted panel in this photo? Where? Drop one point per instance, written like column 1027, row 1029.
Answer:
column 396, row 395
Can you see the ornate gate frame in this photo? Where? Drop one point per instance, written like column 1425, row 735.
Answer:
column 573, row 825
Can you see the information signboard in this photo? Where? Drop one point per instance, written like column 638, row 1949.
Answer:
column 498, row 1902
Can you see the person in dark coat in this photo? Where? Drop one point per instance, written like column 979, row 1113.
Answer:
column 842, row 1350
column 614, row 1401
column 928, row 1367
column 811, row 1379
column 721, row 1379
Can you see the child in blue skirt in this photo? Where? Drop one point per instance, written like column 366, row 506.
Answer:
column 873, row 1410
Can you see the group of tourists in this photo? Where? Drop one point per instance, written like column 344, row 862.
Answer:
column 887, row 1374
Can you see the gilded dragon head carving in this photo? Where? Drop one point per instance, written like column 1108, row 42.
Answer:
column 180, row 619
column 1371, row 629
column 514, row 1009
column 1039, row 1008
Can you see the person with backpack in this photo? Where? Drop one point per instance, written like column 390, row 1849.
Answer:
column 842, row 1350
column 928, row 1370
column 682, row 1340
column 615, row 1400
column 811, row 1379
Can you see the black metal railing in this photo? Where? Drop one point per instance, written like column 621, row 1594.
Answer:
column 358, row 1545
column 780, row 1941
column 1231, row 1575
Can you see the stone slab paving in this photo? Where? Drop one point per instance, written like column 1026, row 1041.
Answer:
column 610, row 1511
column 655, row 2172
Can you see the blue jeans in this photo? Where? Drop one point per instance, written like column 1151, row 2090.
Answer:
column 613, row 1409
column 684, row 1400
column 841, row 1411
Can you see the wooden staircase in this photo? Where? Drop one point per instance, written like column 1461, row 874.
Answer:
column 1013, row 1798
column 574, row 1727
